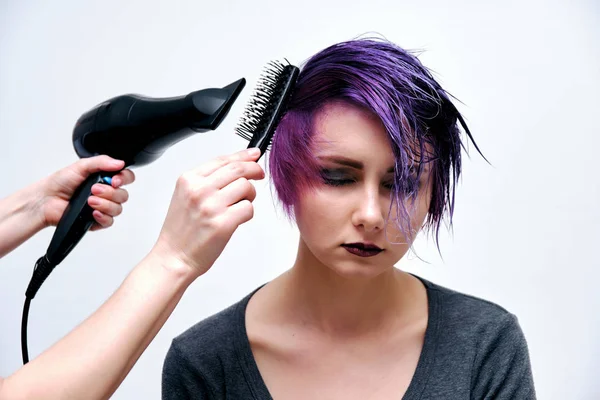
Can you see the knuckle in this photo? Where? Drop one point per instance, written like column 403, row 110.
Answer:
column 222, row 224
column 236, row 168
column 207, row 210
column 257, row 167
column 207, row 225
column 199, row 193
column 221, row 160
column 183, row 181
column 247, row 210
column 248, row 207
column 118, row 209
column 250, row 187
column 186, row 185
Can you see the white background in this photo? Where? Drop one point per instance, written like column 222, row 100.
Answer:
column 526, row 229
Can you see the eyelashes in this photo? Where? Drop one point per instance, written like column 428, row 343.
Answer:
column 338, row 178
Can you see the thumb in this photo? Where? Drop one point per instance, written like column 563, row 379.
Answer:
column 87, row 166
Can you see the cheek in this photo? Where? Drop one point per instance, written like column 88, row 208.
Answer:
column 320, row 215
column 417, row 211
column 422, row 210
column 314, row 212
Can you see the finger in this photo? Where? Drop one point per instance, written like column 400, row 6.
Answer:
column 90, row 165
column 109, row 193
column 102, row 220
column 233, row 171
column 212, row 166
column 105, row 206
column 240, row 212
column 124, row 177
column 235, row 192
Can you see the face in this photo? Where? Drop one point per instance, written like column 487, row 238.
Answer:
column 344, row 219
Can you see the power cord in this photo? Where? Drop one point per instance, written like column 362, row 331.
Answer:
column 41, row 271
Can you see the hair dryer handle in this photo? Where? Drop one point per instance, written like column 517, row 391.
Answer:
column 76, row 220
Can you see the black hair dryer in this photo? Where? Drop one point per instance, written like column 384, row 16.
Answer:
column 135, row 129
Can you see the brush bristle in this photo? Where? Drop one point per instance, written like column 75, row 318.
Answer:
column 267, row 103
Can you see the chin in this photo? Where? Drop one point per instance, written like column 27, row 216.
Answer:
column 360, row 269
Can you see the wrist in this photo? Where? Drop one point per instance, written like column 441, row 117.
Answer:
column 175, row 267
column 19, row 218
column 31, row 204
column 39, row 197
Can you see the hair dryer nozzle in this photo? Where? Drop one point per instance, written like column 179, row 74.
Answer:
column 215, row 104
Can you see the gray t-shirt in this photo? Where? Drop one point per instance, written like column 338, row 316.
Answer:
column 473, row 349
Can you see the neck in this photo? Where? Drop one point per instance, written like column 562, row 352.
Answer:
column 347, row 306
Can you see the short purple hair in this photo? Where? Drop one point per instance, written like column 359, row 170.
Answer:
column 390, row 82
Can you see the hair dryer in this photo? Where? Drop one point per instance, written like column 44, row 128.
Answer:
column 135, row 129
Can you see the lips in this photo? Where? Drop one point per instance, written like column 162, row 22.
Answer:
column 362, row 249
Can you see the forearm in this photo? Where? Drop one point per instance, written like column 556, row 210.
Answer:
column 92, row 361
column 20, row 217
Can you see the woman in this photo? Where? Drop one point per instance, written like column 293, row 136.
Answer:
column 368, row 154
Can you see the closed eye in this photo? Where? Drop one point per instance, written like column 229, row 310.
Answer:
column 336, row 177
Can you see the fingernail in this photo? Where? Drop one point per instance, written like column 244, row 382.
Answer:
column 93, row 201
column 254, row 151
column 116, row 182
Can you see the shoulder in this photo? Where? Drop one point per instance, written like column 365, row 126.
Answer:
column 459, row 310
column 216, row 327
column 213, row 336
column 485, row 340
column 210, row 343
column 474, row 327
column 198, row 359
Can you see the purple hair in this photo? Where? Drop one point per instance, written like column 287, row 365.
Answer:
column 420, row 119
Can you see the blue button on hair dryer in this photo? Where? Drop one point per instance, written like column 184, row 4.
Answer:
column 134, row 129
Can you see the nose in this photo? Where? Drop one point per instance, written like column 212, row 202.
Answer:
column 369, row 210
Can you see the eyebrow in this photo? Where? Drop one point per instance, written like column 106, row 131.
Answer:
column 348, row 162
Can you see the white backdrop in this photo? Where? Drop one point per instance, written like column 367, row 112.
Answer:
column 526, row 228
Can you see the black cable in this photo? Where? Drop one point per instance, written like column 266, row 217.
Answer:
column 24, row 331
column 41, row 271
